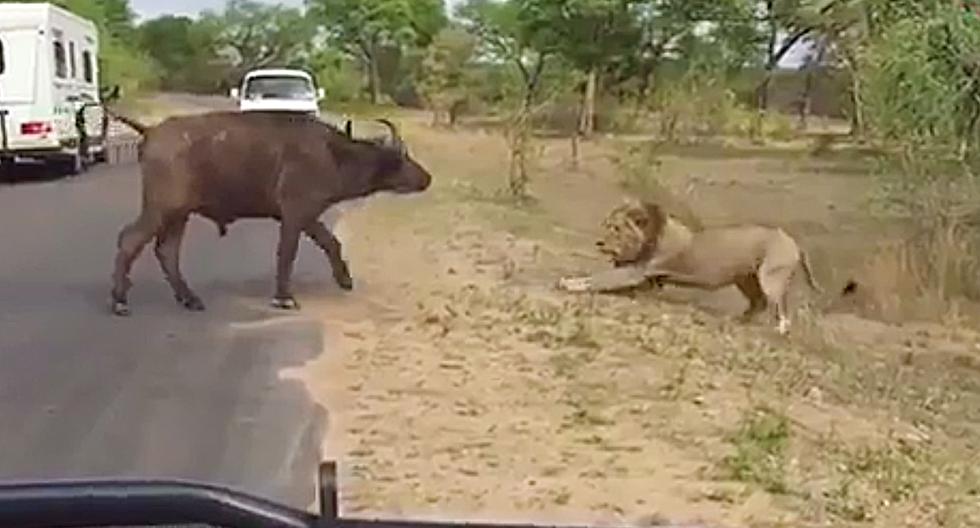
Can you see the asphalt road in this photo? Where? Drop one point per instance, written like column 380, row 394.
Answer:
column 163, row 393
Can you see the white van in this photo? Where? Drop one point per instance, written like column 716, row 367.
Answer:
column 284, row 90
column 49, row 86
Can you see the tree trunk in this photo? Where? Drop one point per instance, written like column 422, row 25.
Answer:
column 762, row 91
column 762, row 105
column 575, row 148
column 811, row 68
column 454, row 111
column 375, row 77
column 857, row 116
column 586, row 124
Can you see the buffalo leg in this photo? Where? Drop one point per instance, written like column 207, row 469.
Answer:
column 289, row 233
column 130, row 243
column 168, row 253
column 331, row 247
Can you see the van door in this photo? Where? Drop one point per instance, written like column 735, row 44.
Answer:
column 18, row 80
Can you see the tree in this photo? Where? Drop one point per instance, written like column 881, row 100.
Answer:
column 118, row 19
column 664, row 25
column 588, row 34
column 800, row 21
column 518, row 33
column 363, row 28
column 167, row 40
column 515, row 32
column 258, row 35
column 185, row 52
column 444, row 75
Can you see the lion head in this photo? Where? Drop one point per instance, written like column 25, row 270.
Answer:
column 630, row 232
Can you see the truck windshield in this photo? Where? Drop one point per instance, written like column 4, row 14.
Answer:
column 278, row 88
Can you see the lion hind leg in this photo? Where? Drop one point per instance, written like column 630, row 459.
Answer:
column 774, row 282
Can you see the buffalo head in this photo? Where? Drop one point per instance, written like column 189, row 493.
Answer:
column 398, row 172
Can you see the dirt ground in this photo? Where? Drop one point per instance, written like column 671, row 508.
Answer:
column 462, row 386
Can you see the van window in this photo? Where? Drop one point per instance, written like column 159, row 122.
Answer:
column 60, row 64
column 71, row 59
column 87, row 65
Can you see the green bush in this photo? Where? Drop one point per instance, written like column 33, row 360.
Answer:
column 341, row 80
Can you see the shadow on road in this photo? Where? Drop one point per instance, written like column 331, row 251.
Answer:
column 164, row 393
column 28, row 172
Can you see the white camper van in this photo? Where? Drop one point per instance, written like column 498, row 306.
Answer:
column 280, row 90
column 49, row 86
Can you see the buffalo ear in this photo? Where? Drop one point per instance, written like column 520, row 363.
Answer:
column 391, row 159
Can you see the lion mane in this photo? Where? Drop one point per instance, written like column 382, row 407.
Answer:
column 631, row 232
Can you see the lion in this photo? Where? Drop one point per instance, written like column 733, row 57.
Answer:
column 645, row 244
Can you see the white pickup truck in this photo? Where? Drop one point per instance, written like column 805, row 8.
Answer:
column 284, row 90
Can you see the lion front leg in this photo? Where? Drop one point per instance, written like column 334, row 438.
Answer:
column 605, row 281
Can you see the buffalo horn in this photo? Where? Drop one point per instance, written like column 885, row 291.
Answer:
column 395, row 137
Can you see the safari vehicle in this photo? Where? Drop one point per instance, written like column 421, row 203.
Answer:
column 285, row 90
column 92, row 504
column 49, row 87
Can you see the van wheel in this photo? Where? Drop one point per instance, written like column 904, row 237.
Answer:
column 69, row 164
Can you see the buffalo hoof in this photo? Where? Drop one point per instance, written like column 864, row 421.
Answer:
column 341, row 275
column 120, row 308
column 191, row 302
column 345, row 281
column 285, row 303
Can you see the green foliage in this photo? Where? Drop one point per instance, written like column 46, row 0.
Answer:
column 760, row 448
column 337, row 75
column 184, row 51
column 257, row 35
column 585, row 32
column 359, row 23
column 918, row 76
column 366, row 28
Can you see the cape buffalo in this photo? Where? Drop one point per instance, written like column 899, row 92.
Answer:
column 230, row 165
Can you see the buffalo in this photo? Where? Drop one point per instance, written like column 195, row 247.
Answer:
column 226, row 166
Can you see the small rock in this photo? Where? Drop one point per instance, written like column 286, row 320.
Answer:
column 698, row 400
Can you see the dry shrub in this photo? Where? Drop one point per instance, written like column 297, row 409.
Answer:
column 922, row 276
column 611, row 115
column 692, row 112
column 689, row 111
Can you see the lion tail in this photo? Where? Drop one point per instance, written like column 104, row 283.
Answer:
column 805, row 264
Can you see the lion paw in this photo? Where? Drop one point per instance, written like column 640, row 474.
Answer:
column 575, row 284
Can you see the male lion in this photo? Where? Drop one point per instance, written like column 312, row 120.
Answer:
column 646, row 244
